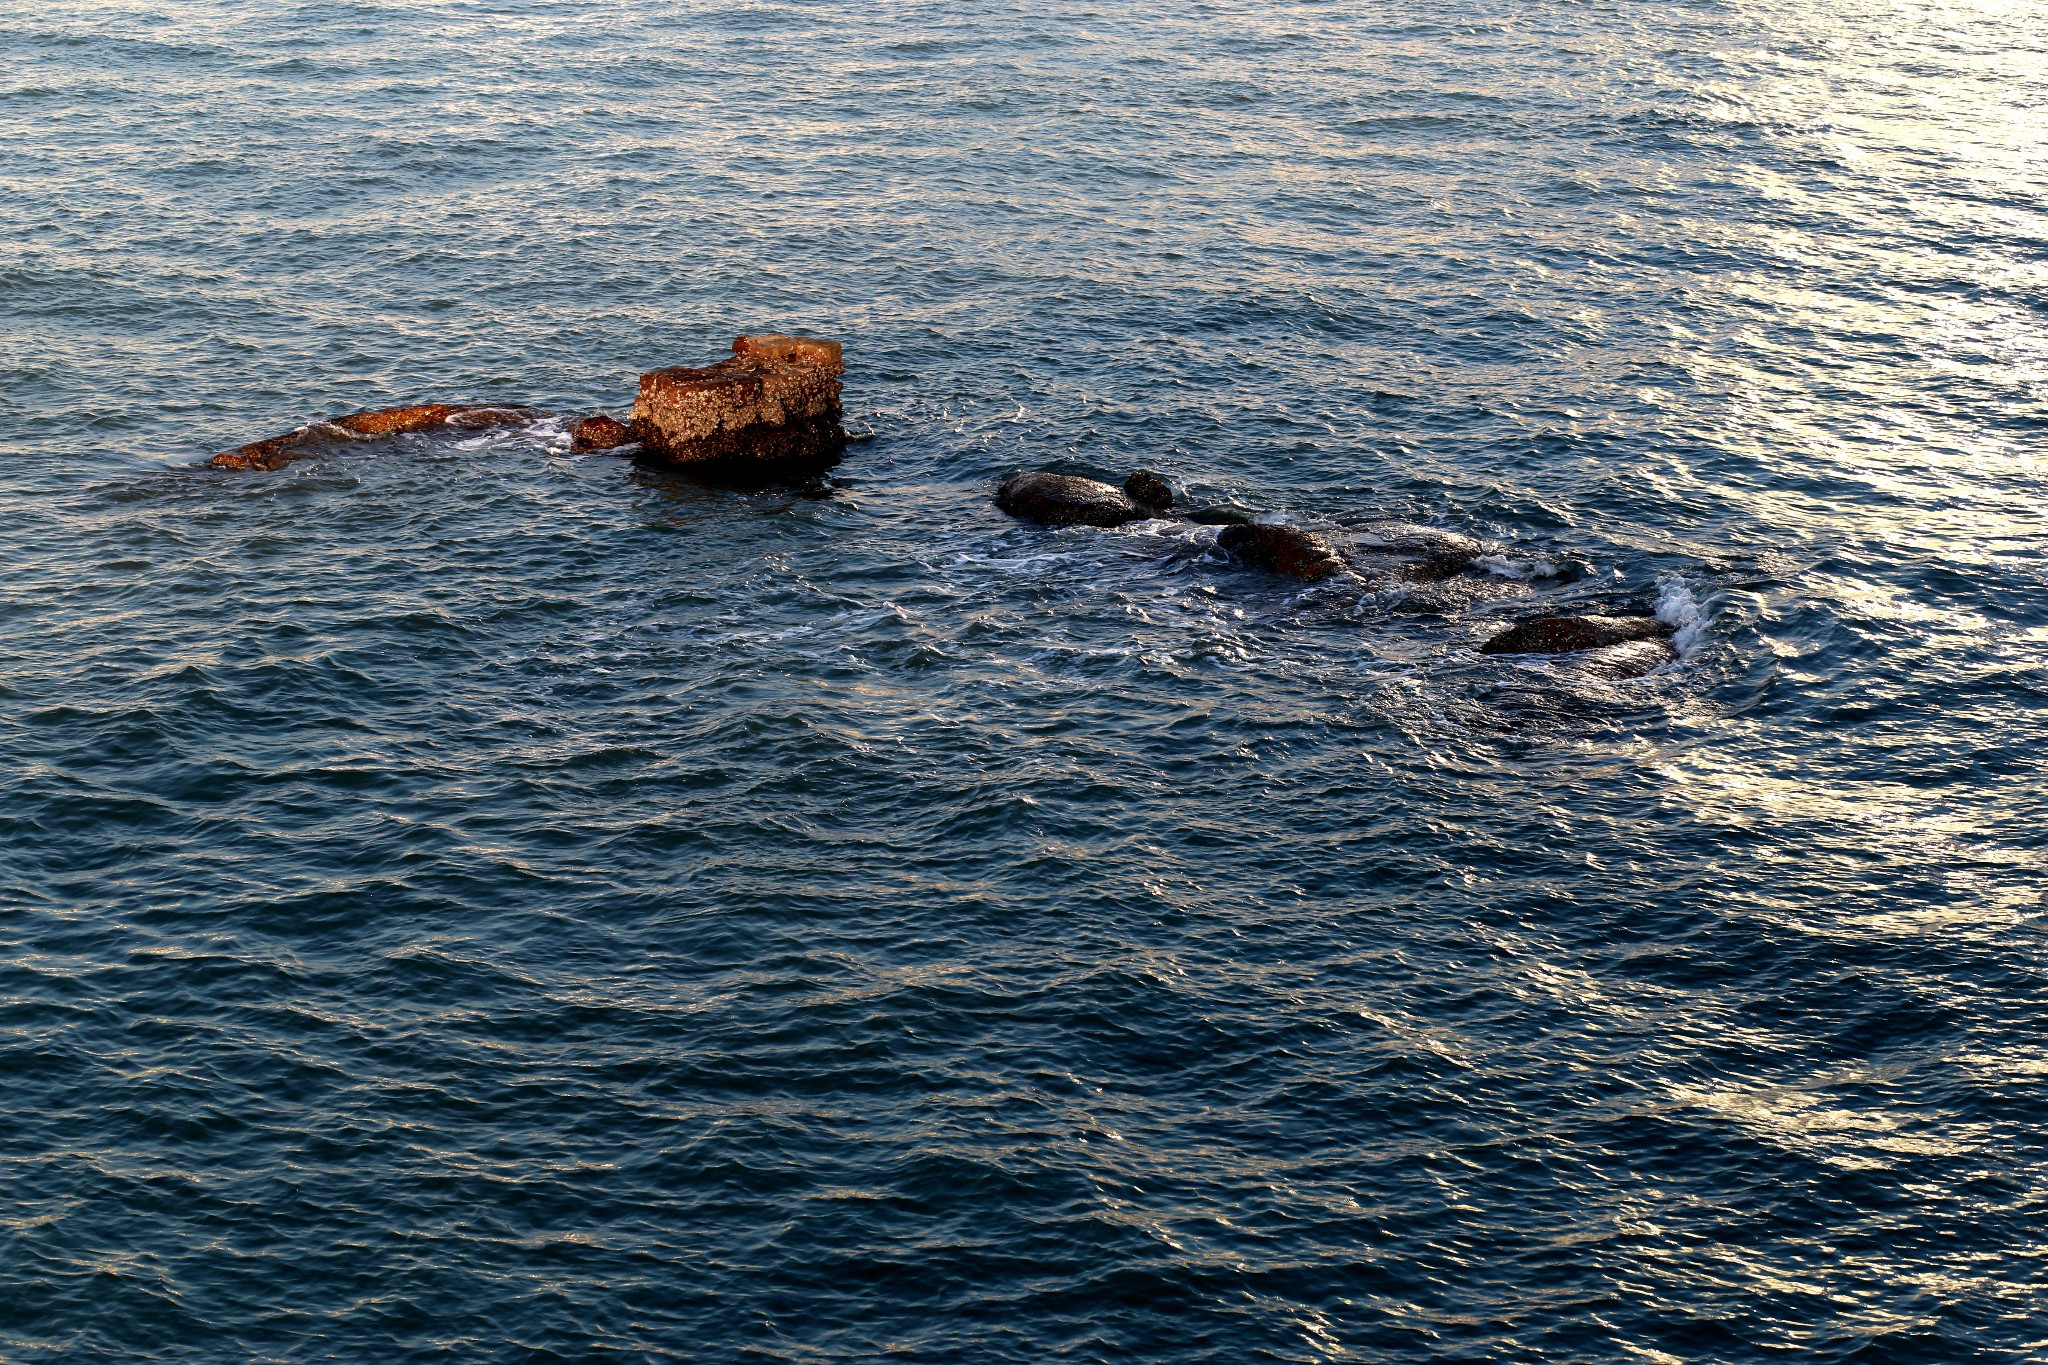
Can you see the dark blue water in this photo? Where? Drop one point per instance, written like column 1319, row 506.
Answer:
column 467, row 903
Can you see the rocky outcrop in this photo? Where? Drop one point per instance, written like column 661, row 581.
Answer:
column 774, row 402
column 1068, row 500
column 1568, row 634
column 279, row 451
column 1287, row 550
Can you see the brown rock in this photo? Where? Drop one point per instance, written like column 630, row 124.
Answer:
column 1565, row 634
column 279, row 451
column 599, row 432
column 1067, row 500
column 776, row 401
column 1282, row 549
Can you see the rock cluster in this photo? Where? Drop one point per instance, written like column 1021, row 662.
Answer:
column 774, row 406
column 1419, row 570
column 773, row 403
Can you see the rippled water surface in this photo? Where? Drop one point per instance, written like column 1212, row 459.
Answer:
column 464, row 902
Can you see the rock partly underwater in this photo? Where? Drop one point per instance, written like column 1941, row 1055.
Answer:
column 774, row 404
column 1068, row 500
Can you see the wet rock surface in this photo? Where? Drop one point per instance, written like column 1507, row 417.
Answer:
column 1150, row 491
column 278, row 451
column 599, row 432
column 1222, row 515
column 1448, row 596
column 1569, row 634
column 1632, row 659
column 774, row 404
column 1067, row 500
column 1287, row 550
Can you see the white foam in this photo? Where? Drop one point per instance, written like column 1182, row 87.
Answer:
column 1523, row 569
column 1679, row 609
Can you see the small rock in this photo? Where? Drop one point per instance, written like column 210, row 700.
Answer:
column 599, row 432
column 1067, row 500
column 1566, row 634
column 1222, row 515
column 1282, row 549
column 1148, row 490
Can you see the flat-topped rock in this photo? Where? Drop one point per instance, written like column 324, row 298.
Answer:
column 1068, row 500
column 774, row 402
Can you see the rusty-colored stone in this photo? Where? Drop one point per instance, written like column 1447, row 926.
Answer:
column 775, row 401
column 599, row 432
column 279, row 451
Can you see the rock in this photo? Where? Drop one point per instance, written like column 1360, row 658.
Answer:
column 1067, row 500
column 1420, row 554
column 1281, row 549
column 278, row 451
column 1566, row 634
column 1148, row 490
column 774, row 402
column 1402, row 537
column 599, row 432
column 1630, row 660
column 1447, row 596
column 1220, row 516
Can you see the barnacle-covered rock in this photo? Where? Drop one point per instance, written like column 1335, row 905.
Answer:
column 775, row 402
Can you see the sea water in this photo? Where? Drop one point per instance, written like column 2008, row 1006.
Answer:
column 464, row 902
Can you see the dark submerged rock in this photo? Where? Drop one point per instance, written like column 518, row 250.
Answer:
column 1568, row 634
column 1448, row 596
column 1628, row 660
column 774, row 402
column 1221, row 515
column 1149, row 491
column 1067, row 500
column 1419, row 554
column 599, row 432
column 1281, row 549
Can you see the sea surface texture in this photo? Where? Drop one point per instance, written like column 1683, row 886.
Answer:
column 467, row 902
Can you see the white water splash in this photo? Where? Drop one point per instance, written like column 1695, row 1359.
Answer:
column 1679, row 609
column 1521, row 568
